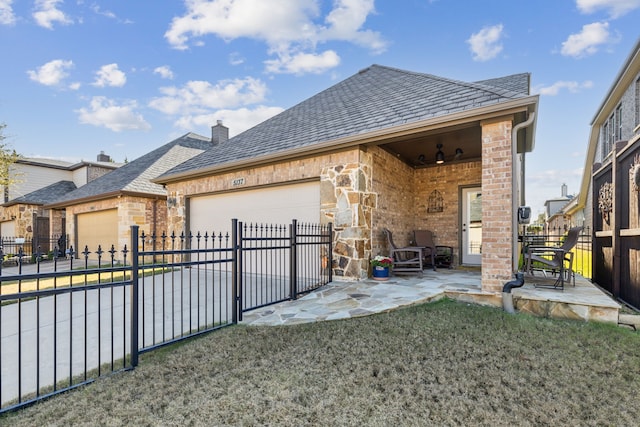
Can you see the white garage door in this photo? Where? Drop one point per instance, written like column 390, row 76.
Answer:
column 97, row 228
column 269, row 205
column 8, row 229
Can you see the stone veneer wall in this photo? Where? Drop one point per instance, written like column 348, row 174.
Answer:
column 23, row 215
column 447, row 180
column 57, row 218
column 347, row 198
column 497, row 215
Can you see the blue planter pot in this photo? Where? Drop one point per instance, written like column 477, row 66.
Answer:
column 380, row 273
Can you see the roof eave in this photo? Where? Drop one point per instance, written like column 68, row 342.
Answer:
column 376, row 137
column 104, row 196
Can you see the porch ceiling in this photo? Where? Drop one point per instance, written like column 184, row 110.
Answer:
column 410, row 148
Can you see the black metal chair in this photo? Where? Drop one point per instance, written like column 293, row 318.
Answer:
column 554, row 258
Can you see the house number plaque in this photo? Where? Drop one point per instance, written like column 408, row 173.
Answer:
column 237, row 181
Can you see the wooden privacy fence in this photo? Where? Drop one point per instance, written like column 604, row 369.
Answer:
column 616, row 222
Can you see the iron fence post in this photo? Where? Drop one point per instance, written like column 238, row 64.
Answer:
column 134, row 295
column 293, row 236
column 330, row 266
column 236, row 314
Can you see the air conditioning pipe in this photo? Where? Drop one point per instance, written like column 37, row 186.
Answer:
column 507, row 296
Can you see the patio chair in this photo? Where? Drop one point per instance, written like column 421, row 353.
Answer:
column 558, row 259
column 405, row 260
column 433, row 255
column 424, row 240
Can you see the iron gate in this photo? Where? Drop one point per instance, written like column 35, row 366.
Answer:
column 81, row 319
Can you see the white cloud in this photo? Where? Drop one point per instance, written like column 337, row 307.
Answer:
column 345, row 22
column 616, row 8
column 587, row 41
column 110, row 75
column 104, row 112
column 46, row 14
column 236, row 58
column 302, row 63
column 236, row 120
column 571, row 86
column 202, row 96
column 485, row 44
column 6, row 13
column 52, row 73
column 106, row 13
column 293, row 27
column 164, row 71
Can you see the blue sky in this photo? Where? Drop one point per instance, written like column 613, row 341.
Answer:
column 125, row 77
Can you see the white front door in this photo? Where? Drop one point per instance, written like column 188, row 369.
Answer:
column 471, row 252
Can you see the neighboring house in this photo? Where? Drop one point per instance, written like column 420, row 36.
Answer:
column 101, row 212
column 614, row 123
column 37, row 181
column 610, row 189
column 385, row 148
column 556, row 219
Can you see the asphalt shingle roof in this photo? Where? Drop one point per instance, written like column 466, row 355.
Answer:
column 516, row 83
column 375, row 98
column 136, row 175
column 45, row 195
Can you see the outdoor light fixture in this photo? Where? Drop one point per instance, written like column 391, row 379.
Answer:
column 439, row 155
column 440, row 158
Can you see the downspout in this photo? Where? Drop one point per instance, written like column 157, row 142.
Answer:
column 507, row 297
column 514, row 186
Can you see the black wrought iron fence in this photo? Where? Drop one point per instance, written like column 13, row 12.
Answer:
column 582, row 251
column 14, row 250
column 66, row 322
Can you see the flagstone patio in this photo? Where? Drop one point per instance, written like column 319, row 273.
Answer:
column 342, row 300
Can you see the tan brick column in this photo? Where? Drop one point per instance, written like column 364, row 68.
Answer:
column 497, row 225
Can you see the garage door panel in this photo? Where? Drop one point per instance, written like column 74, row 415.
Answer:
column 271, row 205
column 8, row 229
column 97, row 229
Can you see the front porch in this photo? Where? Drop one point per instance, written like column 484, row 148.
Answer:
column 342, row 300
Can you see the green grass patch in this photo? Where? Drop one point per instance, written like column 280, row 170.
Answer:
column 445, row 363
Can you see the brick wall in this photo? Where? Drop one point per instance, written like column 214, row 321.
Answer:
column 394, row 185
column 497, row 215
column 403, row 196
column 447, row 180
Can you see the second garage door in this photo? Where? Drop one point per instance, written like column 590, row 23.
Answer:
column 97, row 228
column 269, row 205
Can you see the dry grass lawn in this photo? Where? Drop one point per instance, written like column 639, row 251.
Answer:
column 444, row 363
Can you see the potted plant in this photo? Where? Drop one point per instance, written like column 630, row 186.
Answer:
column 381, row 267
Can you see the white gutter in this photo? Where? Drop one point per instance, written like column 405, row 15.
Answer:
column 514, row 185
